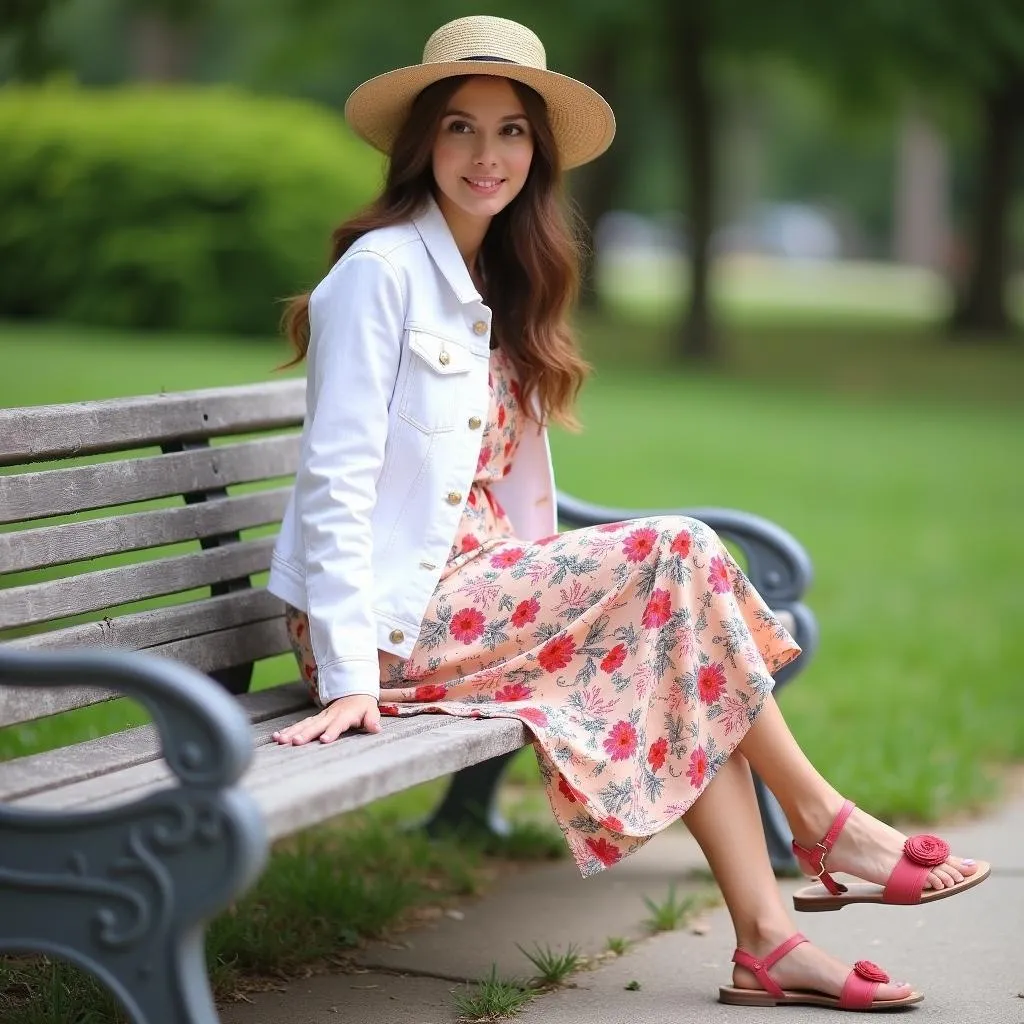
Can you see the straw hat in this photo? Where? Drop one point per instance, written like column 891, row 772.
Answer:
column 582, row 121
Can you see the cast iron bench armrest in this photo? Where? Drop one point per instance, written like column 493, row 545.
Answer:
column 123, row 890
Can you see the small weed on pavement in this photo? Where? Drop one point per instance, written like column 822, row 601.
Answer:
column 553, row 968
column 492, row 999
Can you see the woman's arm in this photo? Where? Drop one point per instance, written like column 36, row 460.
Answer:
column 357, row 317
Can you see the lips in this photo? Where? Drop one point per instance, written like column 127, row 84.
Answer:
column 484, row 186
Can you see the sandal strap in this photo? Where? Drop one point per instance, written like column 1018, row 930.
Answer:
column 861, row 985
column 921, row 853
column 759, row 967
column 814, row 860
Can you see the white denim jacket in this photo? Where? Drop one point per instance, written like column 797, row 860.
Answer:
column 396, row 399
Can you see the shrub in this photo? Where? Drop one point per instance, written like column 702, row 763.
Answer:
column 173, row 207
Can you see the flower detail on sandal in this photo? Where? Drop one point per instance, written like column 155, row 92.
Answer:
column 926, row 850
column 871, row 972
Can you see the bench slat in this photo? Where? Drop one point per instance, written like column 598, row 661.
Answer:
column 105, row 754
column 114, row 787
column 107, row 588
column 301, row 786
column 36, row 433
column 47, row 546
column 58, row 492
column 135, row 631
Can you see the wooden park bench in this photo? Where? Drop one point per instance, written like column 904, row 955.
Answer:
column 114, row 851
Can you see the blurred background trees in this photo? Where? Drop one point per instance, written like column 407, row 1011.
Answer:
column 876, row 131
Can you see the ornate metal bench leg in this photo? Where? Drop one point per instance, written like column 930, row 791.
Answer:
column 471, row 800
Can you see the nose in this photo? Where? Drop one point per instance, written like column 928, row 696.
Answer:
column 483, row 155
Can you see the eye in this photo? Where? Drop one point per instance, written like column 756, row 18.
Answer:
column 514, row 130
column 460, row 127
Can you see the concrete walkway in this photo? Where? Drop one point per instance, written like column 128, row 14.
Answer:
column 966, row 954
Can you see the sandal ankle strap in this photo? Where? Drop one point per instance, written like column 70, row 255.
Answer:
column 813, row 861
column 759, row 966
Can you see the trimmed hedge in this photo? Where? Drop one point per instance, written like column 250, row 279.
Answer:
column 187, row 208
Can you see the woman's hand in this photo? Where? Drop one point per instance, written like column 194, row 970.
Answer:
column 357, row 711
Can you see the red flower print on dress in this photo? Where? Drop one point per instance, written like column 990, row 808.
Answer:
column 430, row 692
column 698, row 767
column 718, row 575
column 656, row 755
column 610, row 527
column 710, row 682
column 658, row 610
column 681, row 543
column 469, row 543
column 508, row 448
column 621, row 741
column 516, row 390
column 614, row 659
column 534, row 715
column 506, row 559
column 569, row 791
column 388, row 709
column 483, row 458
column 471, row 501
column 514, row 691
column 604, row 851
column 612, row 823
column 546, row 540
column 557, row 653
column 501, row 416
column 526, row 611
column 467, row 625
column 640, row 543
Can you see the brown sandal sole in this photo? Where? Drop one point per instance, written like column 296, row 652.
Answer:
column 816, row 898
column 732, row 996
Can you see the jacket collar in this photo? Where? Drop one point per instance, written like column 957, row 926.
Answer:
column 437, row 237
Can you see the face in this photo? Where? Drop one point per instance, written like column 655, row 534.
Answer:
column 483, row 150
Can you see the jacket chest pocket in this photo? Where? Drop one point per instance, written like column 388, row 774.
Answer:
column 436, row 382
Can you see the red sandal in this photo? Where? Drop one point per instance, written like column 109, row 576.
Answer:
column 858, row 991
column 905, row 885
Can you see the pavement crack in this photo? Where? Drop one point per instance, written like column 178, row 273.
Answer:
column 412, row 972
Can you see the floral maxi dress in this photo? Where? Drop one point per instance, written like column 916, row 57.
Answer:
column 636, row 653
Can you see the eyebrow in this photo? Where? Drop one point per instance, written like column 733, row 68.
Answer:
column 463, row 113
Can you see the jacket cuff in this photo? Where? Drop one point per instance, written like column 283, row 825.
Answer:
column 345, row 678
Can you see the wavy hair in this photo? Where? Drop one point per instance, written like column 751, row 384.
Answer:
column 529, row 257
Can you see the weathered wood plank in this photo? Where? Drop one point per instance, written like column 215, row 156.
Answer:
column 36, row 433
column 141, row 630
column 107, row 588
column 301, row 786
column 58, row 492
column 64, row 766
column 207, row 652
column 71, row 542
column 116, row 786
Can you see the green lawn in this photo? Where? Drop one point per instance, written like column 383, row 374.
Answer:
column 892, row 455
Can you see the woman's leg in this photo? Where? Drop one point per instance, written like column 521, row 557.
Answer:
column 866, row 847
column 725, row 822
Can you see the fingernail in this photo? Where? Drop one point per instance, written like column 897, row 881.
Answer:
column 968, row 862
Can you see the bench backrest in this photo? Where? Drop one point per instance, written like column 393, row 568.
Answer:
column 122, row 525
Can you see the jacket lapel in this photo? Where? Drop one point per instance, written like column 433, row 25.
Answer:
column 437, row 238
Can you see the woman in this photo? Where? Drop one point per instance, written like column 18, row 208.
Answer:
column 419, row 558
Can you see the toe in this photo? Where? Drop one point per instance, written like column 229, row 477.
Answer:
column 894, row 990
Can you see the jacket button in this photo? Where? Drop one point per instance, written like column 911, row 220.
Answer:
column 475, row 422
column 480, row 327
column 444, row 359
column 396, row 636
column 454, row 498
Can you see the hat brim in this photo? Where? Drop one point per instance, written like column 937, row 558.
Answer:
column 581, row 120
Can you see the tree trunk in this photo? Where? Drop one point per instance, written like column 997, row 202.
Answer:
column 161, row 49
column 982, row 303
column 597, row 187
column 689, row 44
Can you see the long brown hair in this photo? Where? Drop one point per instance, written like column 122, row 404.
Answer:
column 529, row 256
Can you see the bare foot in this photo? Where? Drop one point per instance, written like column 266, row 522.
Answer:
column 809, row 969
column 870, row 849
